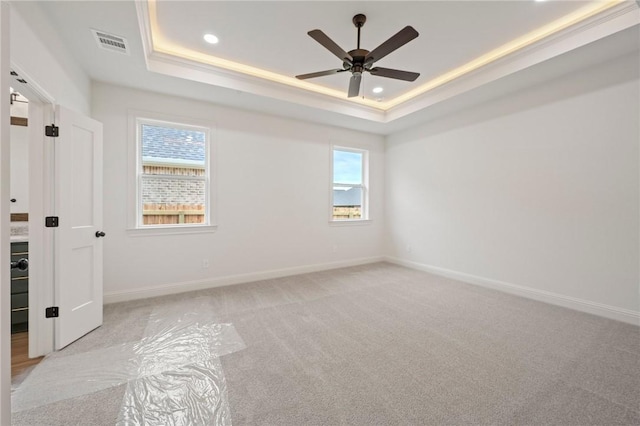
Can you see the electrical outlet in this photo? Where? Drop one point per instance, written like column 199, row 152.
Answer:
column 335, row 248
column 409, row 248
column 205, row 263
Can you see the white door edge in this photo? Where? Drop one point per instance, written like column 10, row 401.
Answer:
column 40, row 238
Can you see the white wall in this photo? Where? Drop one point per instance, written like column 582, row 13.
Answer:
column 37, row 51
column 19, row 136
column 538, row 190
column 273, row 195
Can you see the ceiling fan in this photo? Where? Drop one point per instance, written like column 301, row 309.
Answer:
column 359, row 60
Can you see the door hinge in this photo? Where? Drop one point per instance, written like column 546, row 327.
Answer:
column 52, row 131
column 51, row 221
column 51, row 312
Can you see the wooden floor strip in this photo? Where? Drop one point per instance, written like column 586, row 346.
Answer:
column 20, row 360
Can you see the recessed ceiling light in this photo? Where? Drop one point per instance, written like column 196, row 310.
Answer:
column 539, row 0
column 210, row 38
column 377, row 90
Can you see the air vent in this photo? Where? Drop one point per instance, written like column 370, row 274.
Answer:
column 111, row 42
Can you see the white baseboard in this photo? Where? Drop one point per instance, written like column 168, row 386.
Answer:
column 182, row 287
column 600, row 309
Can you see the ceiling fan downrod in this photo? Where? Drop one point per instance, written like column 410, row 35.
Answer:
column 359, row 21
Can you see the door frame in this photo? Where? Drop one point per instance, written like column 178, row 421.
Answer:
column 41, row 203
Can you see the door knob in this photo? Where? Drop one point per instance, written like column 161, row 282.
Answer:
column 100, row 234
column 21, row 265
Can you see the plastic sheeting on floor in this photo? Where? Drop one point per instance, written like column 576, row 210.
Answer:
column 173, row 374
column 193, row 394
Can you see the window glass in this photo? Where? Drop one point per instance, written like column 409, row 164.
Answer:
column 347, row 202
column 349, row 189
column 347, row 167
column 173, row 184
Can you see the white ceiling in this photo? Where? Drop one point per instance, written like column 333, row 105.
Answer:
column 272, row 36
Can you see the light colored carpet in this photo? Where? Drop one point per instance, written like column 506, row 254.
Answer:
column 381, row 344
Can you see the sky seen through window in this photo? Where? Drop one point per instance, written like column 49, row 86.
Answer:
column 347, row 167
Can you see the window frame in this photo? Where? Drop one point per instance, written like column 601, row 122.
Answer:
column 136, row 226
column 364, row 186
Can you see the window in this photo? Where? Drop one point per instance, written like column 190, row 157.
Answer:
column 172, row 174
column 349, row 189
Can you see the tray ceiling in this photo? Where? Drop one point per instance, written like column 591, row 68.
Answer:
column 462, row 46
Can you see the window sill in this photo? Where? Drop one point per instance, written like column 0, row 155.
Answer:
column 350, row 222
column 171, row 230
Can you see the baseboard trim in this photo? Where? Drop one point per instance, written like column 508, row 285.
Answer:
column 183, row 287
column 600, row 309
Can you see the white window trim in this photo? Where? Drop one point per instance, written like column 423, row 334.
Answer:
column 365, row 219
column 134, row 228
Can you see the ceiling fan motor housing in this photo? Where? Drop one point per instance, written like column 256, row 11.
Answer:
column 358, row 56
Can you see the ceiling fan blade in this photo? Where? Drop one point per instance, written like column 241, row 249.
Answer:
column 319, row 74
column 397, row 74
column 354, row 85
column 330, row 45
column 401, row 38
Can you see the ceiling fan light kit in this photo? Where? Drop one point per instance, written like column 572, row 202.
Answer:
column 358, row 61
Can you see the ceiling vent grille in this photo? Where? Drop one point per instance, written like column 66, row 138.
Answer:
column 111, row 42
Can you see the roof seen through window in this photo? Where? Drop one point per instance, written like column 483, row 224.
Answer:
column 167, row 143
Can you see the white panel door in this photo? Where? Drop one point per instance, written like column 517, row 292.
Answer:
column 78, row 239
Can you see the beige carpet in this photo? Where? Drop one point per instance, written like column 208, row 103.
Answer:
column 381, row 344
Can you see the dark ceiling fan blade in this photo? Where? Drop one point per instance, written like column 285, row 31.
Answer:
column 319, row 74
column 354, row 85
column 330, row 45
column 401, row 38
column 397, row 74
